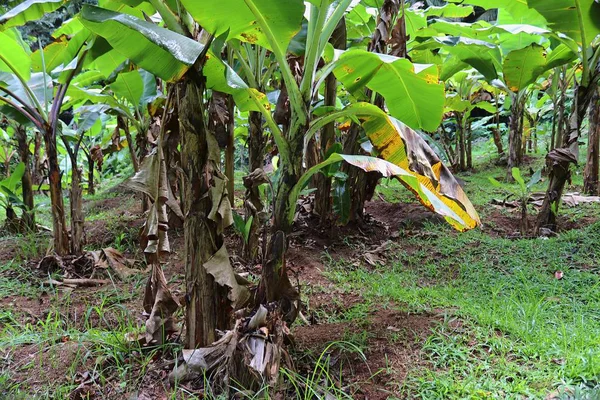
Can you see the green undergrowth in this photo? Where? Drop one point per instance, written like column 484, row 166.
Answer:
column 522, row 331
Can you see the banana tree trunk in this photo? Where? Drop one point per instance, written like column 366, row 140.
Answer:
column 275, row 284
column 554, row 117
column 91, row 188
column 498, row 141
column 323, row 183
column 12, row 224
column 561, row 120
column 208, row 308
column 356, row 181
column 469, row 144
column 26, row 181
column 460, row 142
column 560, row 159
column 323, row 193
column 230, row 151
column 77, row 219
column 252, row 202
column 59, row 224
column 123, row 124
column 590, row 175
column 37, row 164
column 515, row 137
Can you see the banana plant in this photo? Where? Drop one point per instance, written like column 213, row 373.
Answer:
column 413, row 95
column 461, row 101
column 579, row 23
column 29, row 91
column 510, row 54
column 177, row 57
column 412, row 91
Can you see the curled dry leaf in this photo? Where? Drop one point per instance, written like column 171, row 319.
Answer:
column 161, row 305
column 220, row 268
column 97, row 156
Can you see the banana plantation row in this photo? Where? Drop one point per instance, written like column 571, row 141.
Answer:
column 312, row 90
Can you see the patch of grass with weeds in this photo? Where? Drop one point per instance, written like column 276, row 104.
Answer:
column 16, row 280
column 527, row 333
column 75, row 337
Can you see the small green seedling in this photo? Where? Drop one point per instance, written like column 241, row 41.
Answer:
column 242, row 226
column 522, row 192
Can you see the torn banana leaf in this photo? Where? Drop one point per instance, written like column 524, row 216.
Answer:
column 406, row 156
column 146, row 181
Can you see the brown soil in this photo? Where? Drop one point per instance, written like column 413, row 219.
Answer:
column 392, row 348
column 506, row 223
column 392, row 338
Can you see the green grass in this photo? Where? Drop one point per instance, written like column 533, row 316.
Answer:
column 541, row 331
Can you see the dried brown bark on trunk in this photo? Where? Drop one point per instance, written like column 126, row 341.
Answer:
column 559, row 160
column 252, row 202
column 26, row 181
column 208, row 308
column 91, row 188
column 498, row 141
column 61, row 236
column 230, row 151
column 590, row 174
column 515, row 137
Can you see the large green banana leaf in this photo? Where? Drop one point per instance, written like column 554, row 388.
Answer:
column 129, row 85
column 53, row 56
column 28, row 10
column 578, row 19
column 517, row 9
column 481, row 55
column 413, row 93
column 13, row 58
column 524, row 66
column 164, row 53
column 267, row 23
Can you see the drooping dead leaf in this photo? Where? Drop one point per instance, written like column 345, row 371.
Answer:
column 160, row 303
column 97, row 156
column 221, row 209
column 152, row 180
column 220, row 268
